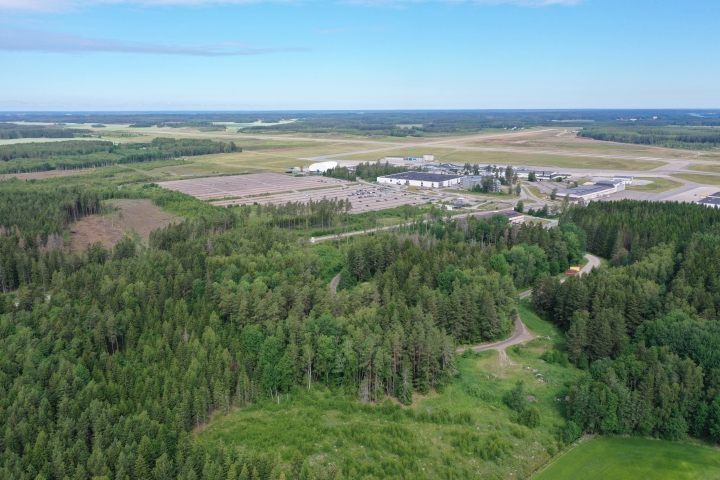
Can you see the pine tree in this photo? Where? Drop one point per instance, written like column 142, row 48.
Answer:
column 142, row 470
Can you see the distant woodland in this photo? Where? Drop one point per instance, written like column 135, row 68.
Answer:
column 72, row 154
column 10, row 131
column 670, row 137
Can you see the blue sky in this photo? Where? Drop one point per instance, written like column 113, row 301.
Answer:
column 358, row 54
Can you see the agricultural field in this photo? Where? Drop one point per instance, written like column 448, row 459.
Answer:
column 634, row 458
column 658, row 185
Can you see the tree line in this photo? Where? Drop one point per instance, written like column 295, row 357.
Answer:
column 367, row 171
column 9, row 131
column 40, row 157
column 704, row 138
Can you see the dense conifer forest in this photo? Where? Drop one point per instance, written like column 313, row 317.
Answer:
column 645, row 329
column 112, row 359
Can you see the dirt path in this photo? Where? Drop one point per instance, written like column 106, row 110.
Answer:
column 522, row 334
column 334, row 283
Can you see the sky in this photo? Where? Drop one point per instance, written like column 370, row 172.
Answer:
column 358, row 54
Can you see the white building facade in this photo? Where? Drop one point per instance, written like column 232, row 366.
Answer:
column 420, row 179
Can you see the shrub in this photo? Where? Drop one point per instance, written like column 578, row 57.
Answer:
column 517, row 397
column 530, row 417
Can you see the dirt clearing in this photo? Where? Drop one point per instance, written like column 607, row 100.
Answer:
column 136, row 218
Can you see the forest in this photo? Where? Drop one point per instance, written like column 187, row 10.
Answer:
column 73, row 154
column 645, row 328
column 703, row 138
column 110, row 359
column 10, row 131
column 400, row 123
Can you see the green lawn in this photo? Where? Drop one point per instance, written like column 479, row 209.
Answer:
column 704, row 167
column 701, row 179
column 658, row 185
column 634, row 458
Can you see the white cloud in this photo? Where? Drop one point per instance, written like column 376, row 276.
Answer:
column 22, row 40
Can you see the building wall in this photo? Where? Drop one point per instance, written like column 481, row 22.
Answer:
column 591, row 196
column 419, row 183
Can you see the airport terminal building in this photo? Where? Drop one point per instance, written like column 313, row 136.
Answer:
column 420, row 179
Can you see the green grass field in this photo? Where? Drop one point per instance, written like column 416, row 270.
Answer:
column 697, row 178
column 659, row 185
column 704, row 167
column 634, row 458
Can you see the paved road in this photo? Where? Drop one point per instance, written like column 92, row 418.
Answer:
column 522, row 334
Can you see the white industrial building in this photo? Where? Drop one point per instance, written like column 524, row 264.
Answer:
column 321, row 167
column 420, row 179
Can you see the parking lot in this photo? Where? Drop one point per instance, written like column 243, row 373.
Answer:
column 248, row 185
column 364, row 198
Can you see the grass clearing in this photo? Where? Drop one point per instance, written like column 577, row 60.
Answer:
column 465, row 431
column 659, row 184
column 132, row 217
column 701, row 179
column 704, row 167
column 616, row 458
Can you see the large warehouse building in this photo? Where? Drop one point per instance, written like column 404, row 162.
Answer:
column 590, row 192
column 420, row 179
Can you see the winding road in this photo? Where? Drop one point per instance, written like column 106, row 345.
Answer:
column 522, row 334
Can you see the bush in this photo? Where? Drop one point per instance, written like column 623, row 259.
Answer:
column 570, row 432
column 477, row 392
column 556, row 357
column 494, row 447
column 517, row 397
column 530, row 417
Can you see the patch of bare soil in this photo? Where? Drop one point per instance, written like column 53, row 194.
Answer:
column 136, row 218
column 44, row 175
